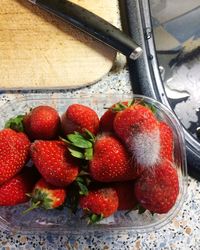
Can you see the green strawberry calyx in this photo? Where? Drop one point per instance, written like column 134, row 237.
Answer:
column 78, row 188
column 15, row 123
column 80, row 145
column 92, row 217
column 122, row 105
column 39, row 198
column 147, row 105
column 83, row 181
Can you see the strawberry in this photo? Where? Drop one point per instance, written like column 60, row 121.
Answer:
column 14, row 191
column 99, row 203
column 111, row 161
column 126, row 195
column 54, row 162
column 139, row 130
column 158, row 187
column 46, row 196
column 42, row 122
column 78, row 118
column 14, row 152
column 166, row 142
column 107, row 119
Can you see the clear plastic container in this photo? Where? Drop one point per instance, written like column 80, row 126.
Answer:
column 64, row 221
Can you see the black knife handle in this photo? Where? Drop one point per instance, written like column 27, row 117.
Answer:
column 92, row 24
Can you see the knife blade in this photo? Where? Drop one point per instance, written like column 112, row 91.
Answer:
column 92, row 24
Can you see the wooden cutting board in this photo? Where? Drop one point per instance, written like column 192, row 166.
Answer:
column 37, row 50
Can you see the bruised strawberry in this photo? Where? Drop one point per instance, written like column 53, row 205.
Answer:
column 139, row 130
column 99, row 203
column 157, row 188
column 166, row 142
column 46, row 196
column 14, row 152
column 42, row 122
column 107, row 119
column 79, row 118
column 111, row 161
column 126, row 195
column 54, row 162
column 14, row 191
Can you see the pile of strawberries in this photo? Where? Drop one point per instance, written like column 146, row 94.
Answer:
column 122, row 160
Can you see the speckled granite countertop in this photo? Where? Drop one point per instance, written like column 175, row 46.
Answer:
column 182, row 233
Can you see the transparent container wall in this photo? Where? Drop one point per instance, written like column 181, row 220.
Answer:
column 64, row 221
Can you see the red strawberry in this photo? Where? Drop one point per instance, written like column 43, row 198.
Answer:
column 78, row 118
column 42, row 122
column 107, row 119
column 99, row 203
column 14, row 152
column 139, row 129
column 54, row 162
column 157, row 188
column 46, row 196
column 126, row 195
column 15, row 190
column 111, row 162
column 166, row 141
